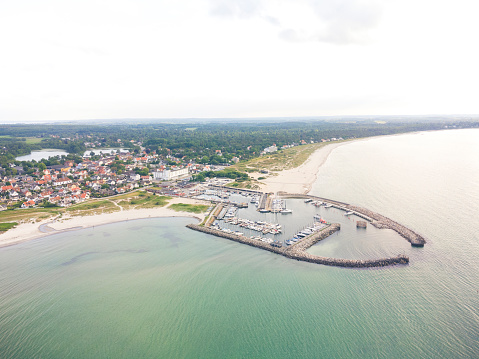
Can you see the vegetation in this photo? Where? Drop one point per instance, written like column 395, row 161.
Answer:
column 203, row 142
column 280, row 160
column 6, row 226
column 92, row 208
column 140, row 199
column 193, row 208
column 226, row 173
column 150, row 200
column 28, row 215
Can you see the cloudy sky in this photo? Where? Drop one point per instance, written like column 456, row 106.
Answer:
column 70, row 60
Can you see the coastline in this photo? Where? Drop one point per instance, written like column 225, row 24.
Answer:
column 295, row 180
column 29, row 231
column 301, row 178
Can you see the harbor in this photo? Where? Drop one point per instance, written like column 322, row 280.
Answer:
column 298, row 251
column 291, row 224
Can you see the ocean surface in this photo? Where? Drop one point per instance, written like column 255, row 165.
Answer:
column 154, row 289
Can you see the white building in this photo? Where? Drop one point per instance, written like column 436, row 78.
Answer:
column 270, row 149
column 168, row 175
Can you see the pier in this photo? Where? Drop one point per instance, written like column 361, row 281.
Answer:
column 376, row 219
column 298, row 250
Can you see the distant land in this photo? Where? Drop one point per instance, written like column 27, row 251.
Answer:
column 363, row 118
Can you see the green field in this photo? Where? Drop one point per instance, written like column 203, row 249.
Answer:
column 6, row 226
column 87, row 206
column 193, row 208
column 33, row 140
column 145, row 200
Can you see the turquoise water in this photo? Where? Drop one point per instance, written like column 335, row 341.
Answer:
column 152, row 288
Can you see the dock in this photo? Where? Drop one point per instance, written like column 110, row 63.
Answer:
column 298, row 250
column 375, row 219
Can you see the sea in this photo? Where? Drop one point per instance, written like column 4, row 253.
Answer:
column 152, row 288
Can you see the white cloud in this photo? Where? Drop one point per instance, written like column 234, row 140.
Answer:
column 330, row 21
column 194, row 58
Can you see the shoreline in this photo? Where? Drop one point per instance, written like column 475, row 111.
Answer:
column 301, row 178
column 295, row 180
column 30, row 231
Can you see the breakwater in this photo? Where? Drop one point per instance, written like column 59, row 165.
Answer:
column 298, row 250
column 380, row 221
column 376, row 219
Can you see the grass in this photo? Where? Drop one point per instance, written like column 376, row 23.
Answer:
column 88, row 206
column 278, row 161
column 132, row 200
column 281, row 160
column 28, row 140
column 140, row 199
column 33, row 140
column 150, row 200
column 92, row 208
column 29, row 214
column 250, row 184
column 127, row 195
column 6, row 226
column 193, row 208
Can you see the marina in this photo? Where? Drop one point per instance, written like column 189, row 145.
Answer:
column 256, row 219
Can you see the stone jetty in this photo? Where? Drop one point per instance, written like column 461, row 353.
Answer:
column 380, row 221
column 376, row 219
column 298, row 250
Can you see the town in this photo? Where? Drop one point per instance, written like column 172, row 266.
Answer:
column 105, row 174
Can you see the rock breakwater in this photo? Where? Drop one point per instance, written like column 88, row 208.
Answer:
column 298, row 250
column 376, row 219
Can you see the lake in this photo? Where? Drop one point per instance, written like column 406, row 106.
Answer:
column 43, row 154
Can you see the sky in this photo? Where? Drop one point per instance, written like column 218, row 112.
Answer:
column 64, row 60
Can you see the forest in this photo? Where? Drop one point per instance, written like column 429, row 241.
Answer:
column 212, row 142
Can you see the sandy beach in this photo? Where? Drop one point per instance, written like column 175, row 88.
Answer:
column 299, row 179
column 295, row 180
column 29, row 231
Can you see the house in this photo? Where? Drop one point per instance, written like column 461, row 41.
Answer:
column 270, row 149
column 25, row 192
column 55, row 199
column 135, row 177
column 28, row 204
column 62, row 181
column 46, row 194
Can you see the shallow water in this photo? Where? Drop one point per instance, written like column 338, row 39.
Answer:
column 153, row 288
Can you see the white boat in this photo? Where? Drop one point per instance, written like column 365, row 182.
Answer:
column 349, row 213
column 286, row 210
